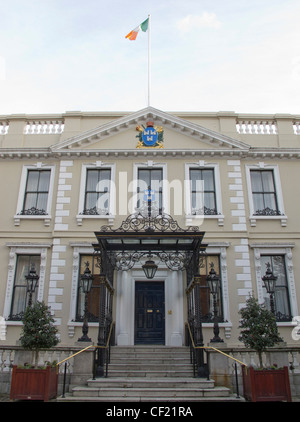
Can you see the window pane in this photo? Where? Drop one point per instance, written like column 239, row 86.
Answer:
column 44, row 181
column 92, row 180
column 267, row 181
column 209, row 201
column 32, row 181
column 256, row 181
column 258, row 202
column 208, row 177
column 270, row 201
column 42, row 201
column 30, row 201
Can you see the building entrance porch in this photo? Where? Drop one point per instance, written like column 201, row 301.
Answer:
column 150, row 312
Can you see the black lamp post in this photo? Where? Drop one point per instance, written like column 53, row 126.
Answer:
column 213, row 282
column 269, row 280
column 149, row 268
column 32, row 281
column 86, row 284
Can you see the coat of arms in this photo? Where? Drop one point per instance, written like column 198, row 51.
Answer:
column 150, row 136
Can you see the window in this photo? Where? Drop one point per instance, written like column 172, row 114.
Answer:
column 93, row 296
column 206, row 297
column 97, row 192
column 281, row 295
column 36, row 192
column 20, row 296
column 264, row 193
column 153, row 178
column 203, row 193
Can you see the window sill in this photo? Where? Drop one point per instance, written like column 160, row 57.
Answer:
column 253, row 219
column 46, row 218
column 81, row 217
column 193, row 219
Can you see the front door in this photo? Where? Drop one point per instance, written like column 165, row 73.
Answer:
column 149, row 312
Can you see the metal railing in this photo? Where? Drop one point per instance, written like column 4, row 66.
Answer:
column 194, row 348
column 106, row 359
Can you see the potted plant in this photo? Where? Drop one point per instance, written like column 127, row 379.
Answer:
column 259, row 331
column 31, row 382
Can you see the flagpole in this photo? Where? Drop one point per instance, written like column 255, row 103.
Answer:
column 149, row 59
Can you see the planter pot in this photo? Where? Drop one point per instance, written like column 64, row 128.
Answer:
column 266, row 384
column 34, row 384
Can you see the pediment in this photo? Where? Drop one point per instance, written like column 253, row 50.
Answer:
column 178, row 134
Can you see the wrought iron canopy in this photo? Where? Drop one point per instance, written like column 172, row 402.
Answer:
column 159, row 235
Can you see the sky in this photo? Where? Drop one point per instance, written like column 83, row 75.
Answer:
column 207, row 56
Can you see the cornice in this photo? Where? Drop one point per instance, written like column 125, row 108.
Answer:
column 252, row 153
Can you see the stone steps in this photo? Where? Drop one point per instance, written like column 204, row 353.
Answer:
column 149, row 373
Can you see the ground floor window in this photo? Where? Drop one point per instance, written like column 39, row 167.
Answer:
column 20, row 296
column 281, row 295
column 94, row 295
column 206, row 298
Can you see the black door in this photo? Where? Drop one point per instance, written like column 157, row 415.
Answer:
column 149, row 312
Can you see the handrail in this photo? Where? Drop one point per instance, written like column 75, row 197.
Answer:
column 77, row 353
column 219, row 351
column 214, row 348
column 83, row 350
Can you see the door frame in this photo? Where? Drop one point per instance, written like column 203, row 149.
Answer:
column 162, row 340
column 175, row 309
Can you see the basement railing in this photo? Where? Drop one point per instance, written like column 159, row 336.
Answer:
column 194, row 361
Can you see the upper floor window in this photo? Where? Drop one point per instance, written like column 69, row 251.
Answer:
column 203, row 192
column 36, row 192
column 150, row 178
column 97, row 192
column 203, row 197
column 20, row 296
column 264, row 193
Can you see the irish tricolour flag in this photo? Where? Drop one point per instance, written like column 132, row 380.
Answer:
column 133, row 34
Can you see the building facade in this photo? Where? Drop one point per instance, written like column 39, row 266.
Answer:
column 67, row 177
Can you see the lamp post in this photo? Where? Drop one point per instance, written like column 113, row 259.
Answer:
column 86, row 284
column 32, row 281
column 269, row 280
column 213, row 282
